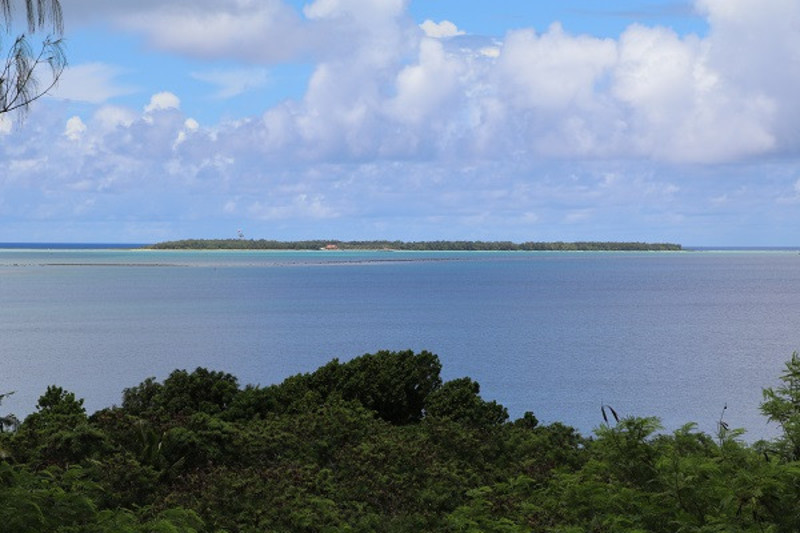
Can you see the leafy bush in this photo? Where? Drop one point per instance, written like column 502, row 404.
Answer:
column 380, row 443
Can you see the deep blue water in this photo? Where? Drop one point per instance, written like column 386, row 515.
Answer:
column 673, row 335
column 65, row 246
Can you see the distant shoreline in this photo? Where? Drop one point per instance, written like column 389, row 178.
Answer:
column 373, row 246
column 335, row 245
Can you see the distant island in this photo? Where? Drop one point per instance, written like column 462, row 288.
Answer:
column 333, row 245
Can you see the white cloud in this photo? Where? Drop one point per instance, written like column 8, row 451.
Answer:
column 110, row 117
column 554, row 70
column 684, row 106
column 190, row 126
column 94, row 83
column 264, row 31
column 658, row 70
column 163, row 100
column 234, row 82
column 650, row 94
column 423, row 88
column 441, row 30
column 753, row 46
column 394, row 117
column 365, row 10
column 74, row 128
column 268, row 30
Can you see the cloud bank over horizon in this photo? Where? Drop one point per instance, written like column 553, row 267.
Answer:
column 419, row 129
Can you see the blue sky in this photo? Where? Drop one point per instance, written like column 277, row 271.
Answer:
column 414, row 120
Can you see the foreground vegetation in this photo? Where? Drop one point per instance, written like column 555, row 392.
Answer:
column 262, row 244
column 380, row 443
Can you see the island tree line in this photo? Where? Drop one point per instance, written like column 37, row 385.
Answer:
column 318, row 244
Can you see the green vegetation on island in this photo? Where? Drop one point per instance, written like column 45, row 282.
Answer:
column 381, row 444
column 263, row 244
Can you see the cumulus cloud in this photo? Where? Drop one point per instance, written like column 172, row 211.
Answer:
column 163, row 100
column 394, row 110
column 190, row 126
column 389, row 90
column 650, row 93
column 682, row 106
column 424, row 88
column 110, row 117
column 753, row 46
column 440, row 30
column 554, row 70
column 74, row 128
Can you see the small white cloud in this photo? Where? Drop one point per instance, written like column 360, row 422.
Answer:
column 490, row 51
column 109, row 117
column 161, row 101
column 190, row 125
column 232, row 83
column 720, row 200
column 363, row 9
column 74, row 128
column 230, row 207
column 441, row 30
column 94, row 83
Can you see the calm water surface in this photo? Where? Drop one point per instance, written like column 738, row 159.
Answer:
column 673, row 335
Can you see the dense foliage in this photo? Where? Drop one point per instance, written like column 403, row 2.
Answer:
column 262, row 244
column 381, row 443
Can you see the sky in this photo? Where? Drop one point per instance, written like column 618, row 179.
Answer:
column 521, row 120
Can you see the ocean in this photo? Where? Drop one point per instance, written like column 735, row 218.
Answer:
column 676, row 335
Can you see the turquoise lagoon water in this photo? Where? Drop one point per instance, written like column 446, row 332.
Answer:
column 673, row 335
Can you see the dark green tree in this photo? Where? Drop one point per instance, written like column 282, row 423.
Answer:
column 395, row 385
column 182, row 394
column 59, row 431
column 782, row 405
column 460, row 400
